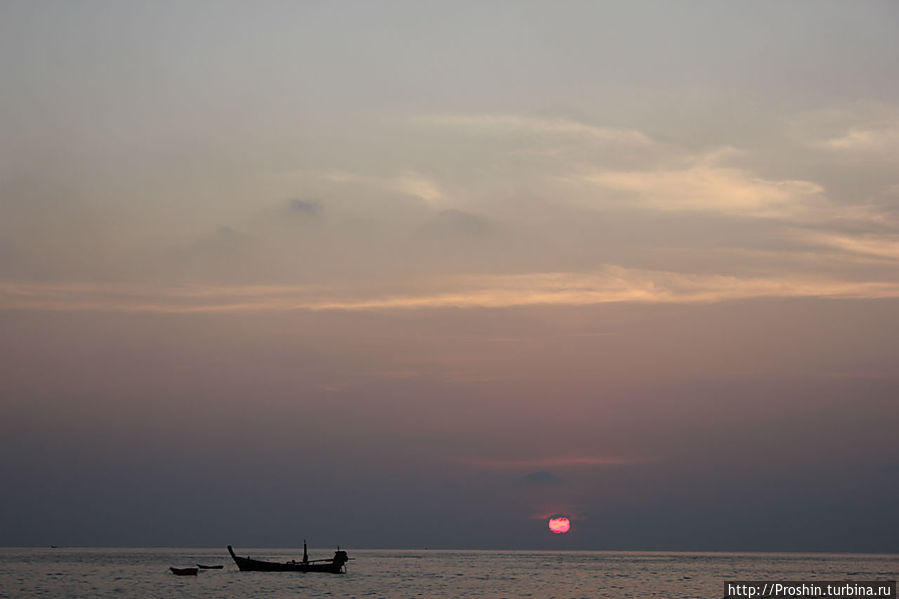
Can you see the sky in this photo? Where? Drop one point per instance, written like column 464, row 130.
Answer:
column 405, row 274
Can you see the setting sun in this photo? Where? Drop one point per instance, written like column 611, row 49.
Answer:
column 559, row 525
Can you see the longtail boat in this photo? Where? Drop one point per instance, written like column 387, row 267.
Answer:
column 334, row 565
column 184, row 571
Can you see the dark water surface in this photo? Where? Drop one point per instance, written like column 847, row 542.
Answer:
column 100, row 573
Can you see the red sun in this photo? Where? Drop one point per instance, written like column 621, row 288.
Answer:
column 559, row 525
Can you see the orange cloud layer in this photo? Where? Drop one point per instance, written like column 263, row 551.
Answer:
column 609, row 285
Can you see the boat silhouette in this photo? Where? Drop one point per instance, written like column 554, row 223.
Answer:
column 334, row 565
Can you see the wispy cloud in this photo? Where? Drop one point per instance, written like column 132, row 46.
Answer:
column 705, row 187
column 612, row 284
column 883, row 137
column 409, row 182
column 878, row 246
column 517, row 123
column 868, row 132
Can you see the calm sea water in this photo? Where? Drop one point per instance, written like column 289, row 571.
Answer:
column 100, row 573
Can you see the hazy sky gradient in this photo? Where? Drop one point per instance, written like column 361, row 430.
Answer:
column 424, row 274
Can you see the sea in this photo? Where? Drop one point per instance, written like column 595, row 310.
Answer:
column 97, row 573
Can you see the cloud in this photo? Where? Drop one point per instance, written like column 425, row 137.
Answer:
column 409, row 182
column 705, row 187
column 419, row 186
column 516, row 124
column 877, row 246
column 652, row 205
column 303, row 206
column 868, row 132
column 558, row 512
column 612, row 284
column 649, row 175
column 882, row 138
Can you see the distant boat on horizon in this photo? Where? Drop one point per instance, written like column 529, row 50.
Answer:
column 334, row 565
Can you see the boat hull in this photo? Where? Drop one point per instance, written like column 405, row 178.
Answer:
column 245, row 564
